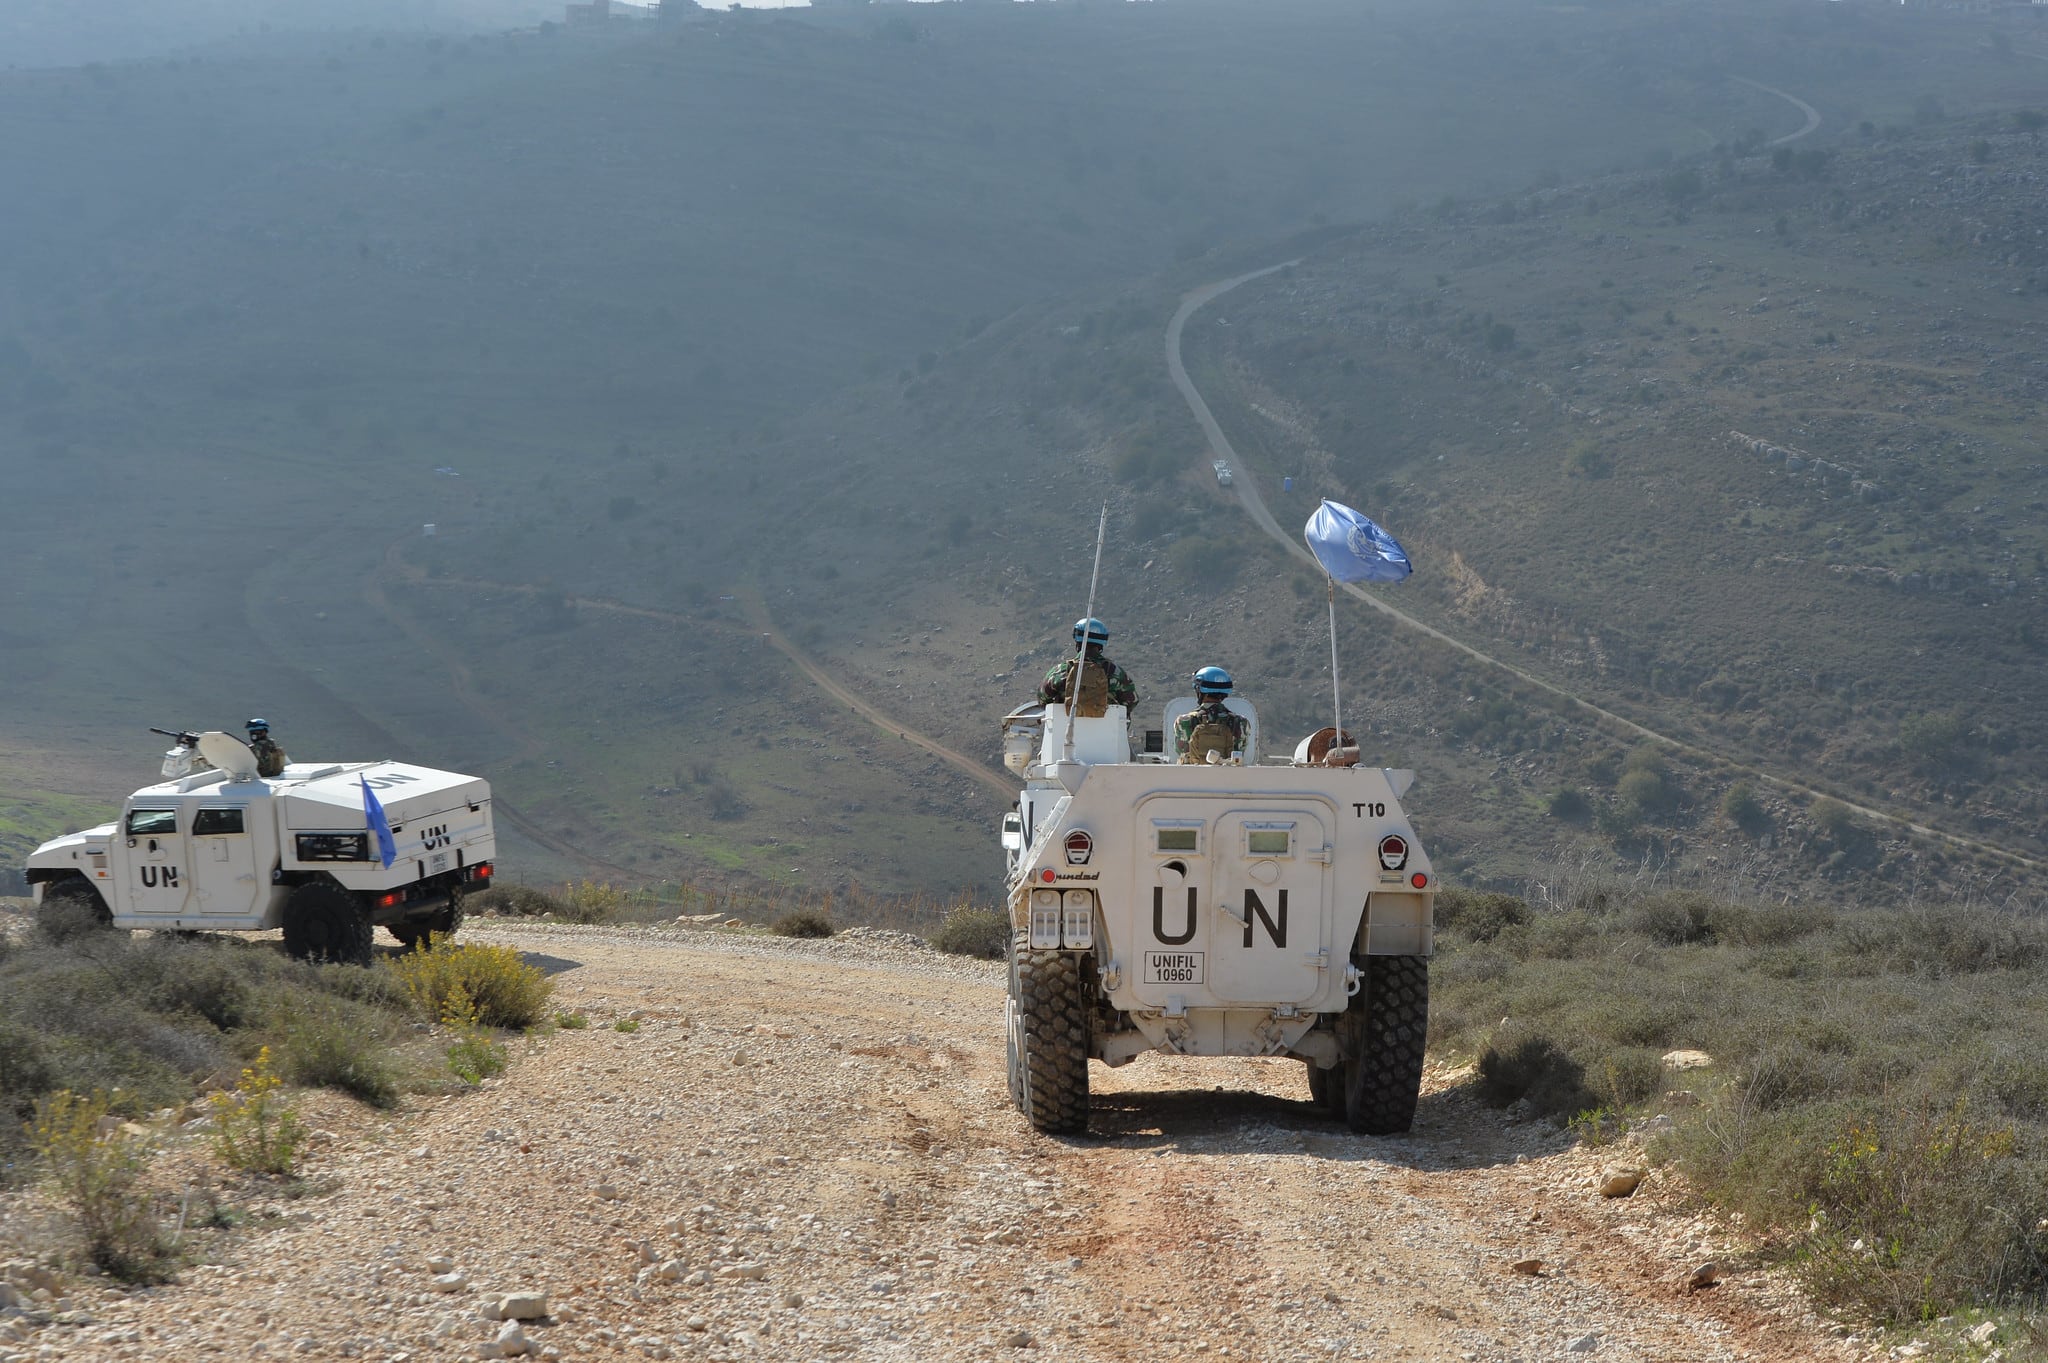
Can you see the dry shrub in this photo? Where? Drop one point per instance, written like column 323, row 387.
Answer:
column 802, row 923
column 514, row 901
column 971, row 931
column 1534, row 1067
column 98, row 1168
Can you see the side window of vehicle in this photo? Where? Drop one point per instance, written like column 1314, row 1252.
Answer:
column 215, row 821
column 152, row 823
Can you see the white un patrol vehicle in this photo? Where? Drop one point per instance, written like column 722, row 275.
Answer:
column 1240, row 907
column 223, row 848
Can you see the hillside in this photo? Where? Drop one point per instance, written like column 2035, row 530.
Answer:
column 865, row 318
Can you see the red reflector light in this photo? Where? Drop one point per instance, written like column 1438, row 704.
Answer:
column 1418, row 880
column 1079, row 846
column 385, row 901
column 1046, row 875
column 483, row 872
column 1393, row 852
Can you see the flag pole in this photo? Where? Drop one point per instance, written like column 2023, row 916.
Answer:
column 1081, row 645
column 1336, row 696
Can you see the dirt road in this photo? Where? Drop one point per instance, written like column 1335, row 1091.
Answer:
column 805, row 1151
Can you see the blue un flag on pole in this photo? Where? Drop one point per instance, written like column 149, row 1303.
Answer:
column 1352, row 548
column 373, row 814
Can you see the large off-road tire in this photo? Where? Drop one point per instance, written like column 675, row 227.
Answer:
column 1387, row 1032
column 414, row 932
column 324, row 922
column 1049, row 1039
column 72, row 908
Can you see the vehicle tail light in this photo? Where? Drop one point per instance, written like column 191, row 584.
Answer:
column 1419, row 880
column 1077, row 918
column 1080, row 846
column 1393, row 852
column 385, row 901
column 1045, row 920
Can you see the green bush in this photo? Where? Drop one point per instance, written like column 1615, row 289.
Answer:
column 802, row 923
column 1673, row 918
column 971, row 931
column 1568, row 804
column 329, row 1043
column 1741, row 808
column 1478, row 916
column 492, row 982
column 1526, row 1066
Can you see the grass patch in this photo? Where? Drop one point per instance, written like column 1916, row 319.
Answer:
column 1877, row 1104
column 145, row 1019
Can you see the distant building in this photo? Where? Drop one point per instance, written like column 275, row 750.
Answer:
column 594, row 12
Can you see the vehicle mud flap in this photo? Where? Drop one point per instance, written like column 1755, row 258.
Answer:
column 1383, row 1035
column 1326, row 1088
column 1049, row 1040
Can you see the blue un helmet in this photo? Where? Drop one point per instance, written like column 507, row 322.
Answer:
column 1095, row 630
column 258, row 726
column 1212, row 681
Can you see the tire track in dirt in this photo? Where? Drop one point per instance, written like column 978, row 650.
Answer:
column 1254, row 506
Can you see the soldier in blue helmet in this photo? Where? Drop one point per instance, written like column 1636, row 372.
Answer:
column 270, row 758
column 1211, row 727
column 1102, row 683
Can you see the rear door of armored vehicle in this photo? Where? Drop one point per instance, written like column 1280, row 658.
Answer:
column 1240, row 902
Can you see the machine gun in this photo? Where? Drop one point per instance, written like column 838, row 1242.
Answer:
column 183, row 757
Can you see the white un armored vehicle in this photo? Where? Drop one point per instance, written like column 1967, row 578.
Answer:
column 1241, row 907
column 222, row 848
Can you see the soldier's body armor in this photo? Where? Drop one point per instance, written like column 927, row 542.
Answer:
column 1210, row 735
column 1091, row 695
column 270, row 758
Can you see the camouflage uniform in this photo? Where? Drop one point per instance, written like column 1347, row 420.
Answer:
column 270, row 759
column 1120, row 689
column 1215, row 716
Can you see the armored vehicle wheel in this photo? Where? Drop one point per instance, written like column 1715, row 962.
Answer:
column 413, row 932
column 72, row 908
column 1049, row 1041
column 1389, row 1027
column 326, row 923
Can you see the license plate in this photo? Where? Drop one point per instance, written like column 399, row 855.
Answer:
column 1173, row 967
column 437, row 862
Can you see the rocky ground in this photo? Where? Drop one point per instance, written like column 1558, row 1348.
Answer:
column 805, row 1151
